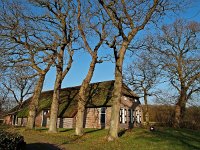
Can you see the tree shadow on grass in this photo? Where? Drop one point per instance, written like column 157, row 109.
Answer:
column 79, row 139
column 94, row 130
column 188, row 141
column 41, row 129
column 65, row 130
column 41, row 146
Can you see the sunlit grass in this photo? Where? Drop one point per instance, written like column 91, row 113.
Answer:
column 95, row 139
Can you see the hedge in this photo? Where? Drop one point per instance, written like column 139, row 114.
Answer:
column 11, row 141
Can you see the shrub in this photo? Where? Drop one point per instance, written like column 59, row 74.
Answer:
column 11, row 141
column 192, row 118
column 163, row 115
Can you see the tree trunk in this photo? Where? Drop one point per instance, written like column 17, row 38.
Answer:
column 55, row 102
column 180, row 110
column 146, row 114
column 116, row 96
column 82, row 97
column 80, row 117
column 34, row 102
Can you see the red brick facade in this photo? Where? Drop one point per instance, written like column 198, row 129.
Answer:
column 98, row 117
column 93, row 117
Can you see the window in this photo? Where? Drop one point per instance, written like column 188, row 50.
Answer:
column 103, row 115
column 123, row 115
column 45, row 112
column 138, row 116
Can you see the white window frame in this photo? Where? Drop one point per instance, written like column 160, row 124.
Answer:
column 123, row 115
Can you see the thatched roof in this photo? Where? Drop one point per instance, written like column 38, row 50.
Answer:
column 98, row 95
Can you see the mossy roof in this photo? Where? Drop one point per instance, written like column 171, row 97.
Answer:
column 98, row 95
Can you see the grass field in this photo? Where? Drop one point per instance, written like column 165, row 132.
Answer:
column 137, row 138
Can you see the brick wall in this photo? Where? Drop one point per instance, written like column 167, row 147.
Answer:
column 24, row 121
column 91, row 118
column 38, row 120
column 125, row 125
column 65, row 122
column 108, row 117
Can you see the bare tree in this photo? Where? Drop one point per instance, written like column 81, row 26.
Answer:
column 18, row 84
column 3, row 98
column 15, row 87
column 25, row 39
column 6, row 103
column 127, row 19
column 178, row 51
column 95, row 24
column 59, row 18
column 143, row 75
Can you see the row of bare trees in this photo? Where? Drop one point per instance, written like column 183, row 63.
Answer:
column 174, row 59
column 42, row 34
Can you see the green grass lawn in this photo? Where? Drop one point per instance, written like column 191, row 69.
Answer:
column 137, row 138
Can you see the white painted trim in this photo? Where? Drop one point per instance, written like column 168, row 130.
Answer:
column 123, row 115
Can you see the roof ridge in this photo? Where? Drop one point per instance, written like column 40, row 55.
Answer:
column 80, row 85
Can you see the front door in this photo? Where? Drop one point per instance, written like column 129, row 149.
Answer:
column 103, row 117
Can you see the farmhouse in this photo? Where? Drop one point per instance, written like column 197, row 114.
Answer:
column 98, row 108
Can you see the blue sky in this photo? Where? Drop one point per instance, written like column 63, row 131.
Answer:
column 105, row 71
